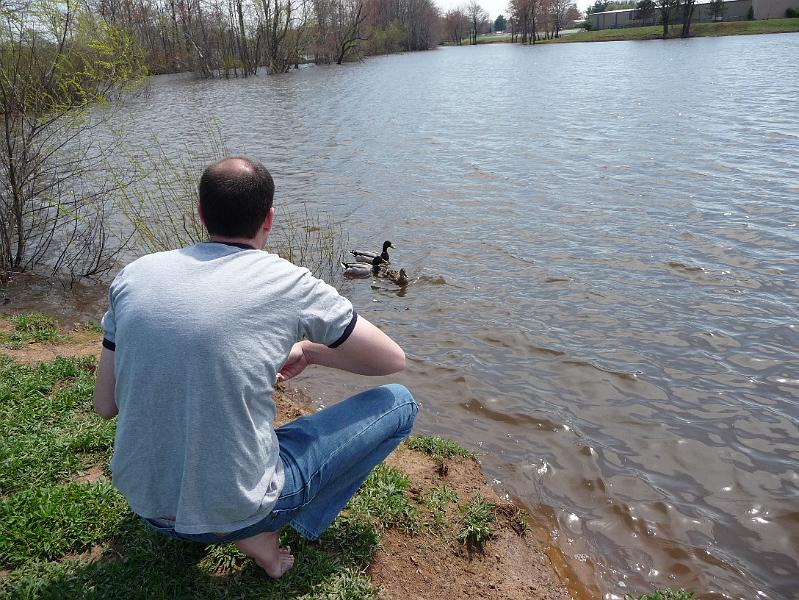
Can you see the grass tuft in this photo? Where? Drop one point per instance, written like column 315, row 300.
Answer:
column 437, row 501
column 31, row 327
column 382, row 498
column 438, row 447
column 478, row 517
column 520, row 523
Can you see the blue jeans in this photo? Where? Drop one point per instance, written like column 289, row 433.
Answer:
column 326, row 457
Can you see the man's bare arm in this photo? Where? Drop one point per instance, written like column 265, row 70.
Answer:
column 104, row 403
column 367, row 351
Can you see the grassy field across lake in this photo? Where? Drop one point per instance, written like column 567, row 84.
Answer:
column 697, row 30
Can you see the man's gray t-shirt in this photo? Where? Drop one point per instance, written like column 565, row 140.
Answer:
column 199, row 335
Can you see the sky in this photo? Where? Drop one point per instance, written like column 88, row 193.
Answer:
column 494, row 7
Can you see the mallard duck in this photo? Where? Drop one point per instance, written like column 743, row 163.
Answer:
column 365, row 256
column 399, row 277
column 362, row 269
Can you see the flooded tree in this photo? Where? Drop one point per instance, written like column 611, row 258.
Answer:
column 56, row 63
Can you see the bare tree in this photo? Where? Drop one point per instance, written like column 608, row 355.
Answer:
column 51, row 72
column 559, row 9
column 476, row 16
column 456, row 24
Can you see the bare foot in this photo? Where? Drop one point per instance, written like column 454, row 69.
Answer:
column 267, row 553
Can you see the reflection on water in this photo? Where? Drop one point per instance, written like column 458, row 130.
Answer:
column 602, row 242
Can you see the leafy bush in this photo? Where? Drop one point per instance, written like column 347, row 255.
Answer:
column 792, row 13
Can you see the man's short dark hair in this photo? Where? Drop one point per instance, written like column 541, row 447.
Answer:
column 236, row 194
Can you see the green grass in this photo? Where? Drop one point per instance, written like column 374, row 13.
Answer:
column 92, row 327
column 437, row 501
column 30, row 327
column 697, row 30
column 478, row 517
column 46, row 523
column 438, row 447
column 48, row 430
column 663, row 595
column 382, row 498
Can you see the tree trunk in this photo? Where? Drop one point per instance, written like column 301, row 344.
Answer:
column 687, row 15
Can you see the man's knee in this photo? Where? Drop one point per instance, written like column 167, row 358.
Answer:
column 404, row 401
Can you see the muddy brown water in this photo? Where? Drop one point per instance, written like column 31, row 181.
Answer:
column 602, row 241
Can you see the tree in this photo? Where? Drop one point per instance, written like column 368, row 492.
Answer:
column 456, row 24
column 598, row 6
column 476, row 16
column 716, row 9
column 500, row 24
column 645, row 11
column 687, row 15
column 56, row 62
column 666, row 8
column 559, row 9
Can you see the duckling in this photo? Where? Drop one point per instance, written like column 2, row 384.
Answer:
column 362, row 269
column 366, row 257
column 400, row 278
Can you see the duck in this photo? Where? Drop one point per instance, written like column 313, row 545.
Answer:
column 364, row 256
column 362, row 269
column 399, row 277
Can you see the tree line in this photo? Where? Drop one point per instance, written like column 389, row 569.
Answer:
column 224, row 38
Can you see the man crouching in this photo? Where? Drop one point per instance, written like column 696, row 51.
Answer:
column 194, row 341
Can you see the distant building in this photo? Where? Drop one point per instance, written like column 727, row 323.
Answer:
column 734, row 10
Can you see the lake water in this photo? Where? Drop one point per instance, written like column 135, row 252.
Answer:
column 602, row 241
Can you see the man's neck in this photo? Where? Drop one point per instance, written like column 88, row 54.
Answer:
column 253, row 243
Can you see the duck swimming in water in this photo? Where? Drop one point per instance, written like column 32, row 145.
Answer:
column 362, row 269
column 399, row 277
column 365, row 256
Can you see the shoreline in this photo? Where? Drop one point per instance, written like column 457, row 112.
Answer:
column 423, row 556
column 655, row 32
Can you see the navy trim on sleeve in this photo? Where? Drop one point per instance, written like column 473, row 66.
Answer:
column 109, row 344
column 346, row 333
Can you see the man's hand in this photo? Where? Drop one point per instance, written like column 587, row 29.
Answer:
column 368, row 351
column 295, row 363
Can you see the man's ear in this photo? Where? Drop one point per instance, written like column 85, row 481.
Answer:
column 270, row 217
column 200, row 213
